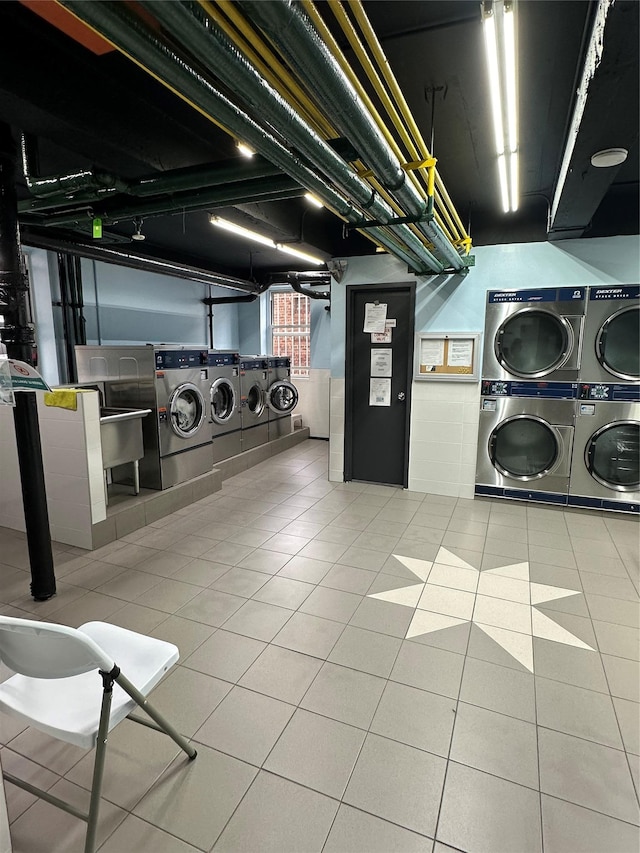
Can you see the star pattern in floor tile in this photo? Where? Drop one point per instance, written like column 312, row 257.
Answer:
column 501, row 602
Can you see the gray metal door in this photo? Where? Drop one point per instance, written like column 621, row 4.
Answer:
column 377, row 413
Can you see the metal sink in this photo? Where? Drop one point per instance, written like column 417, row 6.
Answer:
column 121, row 435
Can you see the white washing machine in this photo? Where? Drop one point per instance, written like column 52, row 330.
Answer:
column 254, row 414
column 533, row 334
column 605, row 473
column 223, row 393
column 282, row 396
column 525, row 440
column 611, row 348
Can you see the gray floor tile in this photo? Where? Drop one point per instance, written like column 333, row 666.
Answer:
column 429, row 668
column 587, row 774
column 337, row 535
column 282, row 674
column 383, row 616
column 205, row 693
column 366, row 651
column 601, row 547
column 499, row 688
column 268, row 562
column 245, row 725
column 485, row 648
column 328, row 551
column 601, row 565
column 549, row 539
column 284, row 592
column 607, row 609
column 309, row 635
column 228, row 552
column 344, row 694
column 569, row 664
column 199, row 818
column 475, row 528
column 394, row 568
column 284, row 543
column 201, row 572
column 138, row 835
column 618, row 640
column 500, row 745
column 316, row 752
column 455, row 539
column 579, row 626
column 258, row 620
column 278, row 816
column 566, row 826
column 375, row 542
column 225, row 655
column 398, row 783
column 554, row 575
column 514, row 551
column 415, row 717
column 420, row 550
column 552, row 556
column 364, row 558
column 454, row 639
column 211, row 607
column 349, row 579
column 471, row 796
column 628, row 714
column 183, row 633
column 354, row 831
column 305, row 569
column 241, row 582
column 611, row 586
column 576, row 711
column 331, row 604
column 623, row 677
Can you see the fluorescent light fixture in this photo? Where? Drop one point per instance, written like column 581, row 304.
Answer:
column 314, row 200
column 304, row 256
column 500, row 44
column 244, row 149
column 248, row 234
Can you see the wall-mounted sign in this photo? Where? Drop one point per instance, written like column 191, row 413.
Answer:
column 24, row 377
column 447, row 356
column 375, row 317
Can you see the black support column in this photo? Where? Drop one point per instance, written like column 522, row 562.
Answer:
column 18, row 335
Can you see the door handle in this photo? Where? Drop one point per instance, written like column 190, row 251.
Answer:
column 401, row 395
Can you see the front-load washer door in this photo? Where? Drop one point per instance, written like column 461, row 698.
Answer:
column 282, row 397
column 186, row 410
column 533, row 342
column 612, row 456
column 223, row 401
column 618, row 344
column 255, row 402
column 525, row 447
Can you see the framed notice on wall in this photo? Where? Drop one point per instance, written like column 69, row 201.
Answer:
column 447, row 356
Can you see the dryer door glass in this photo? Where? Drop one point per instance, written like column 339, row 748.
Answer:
column 618, row 344
column 533, row 342
column 223, row 401
column 282, row 397
column 612, row 456
column 524, row 447
column 255, row 400
column 186, row 408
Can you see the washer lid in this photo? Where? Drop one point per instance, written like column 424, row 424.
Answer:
column 186, row 410
column 533, row 342
column 282, row 397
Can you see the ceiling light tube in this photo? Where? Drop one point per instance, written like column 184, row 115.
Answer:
column 314, row 200
column 491, row 45
column 510, row 77
column 244, row 149
column 283, row 247
column 242, row 232
column 513, row 175
column 504, row 187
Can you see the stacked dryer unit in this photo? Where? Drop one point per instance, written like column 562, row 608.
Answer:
column 254, row 414
column 532, row 348
column 282, row 396
column 223, row 394
column 605, row 470
column 170, row 381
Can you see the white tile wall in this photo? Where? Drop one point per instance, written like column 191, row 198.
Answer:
column 336, row 436
column 72, row 461
column 313, row 404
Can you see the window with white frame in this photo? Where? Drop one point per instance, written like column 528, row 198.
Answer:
column 291, row 329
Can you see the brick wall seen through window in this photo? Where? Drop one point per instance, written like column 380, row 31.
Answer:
column 291, row 329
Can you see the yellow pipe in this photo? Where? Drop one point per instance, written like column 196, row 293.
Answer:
column 331, row 43
column 379, row 55
column 256, row 51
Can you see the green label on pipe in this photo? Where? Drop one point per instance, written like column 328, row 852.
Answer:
column 97, row 228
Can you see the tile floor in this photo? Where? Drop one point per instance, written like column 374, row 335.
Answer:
column 363, row 669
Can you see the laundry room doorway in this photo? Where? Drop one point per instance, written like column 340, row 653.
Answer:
column 378, row 371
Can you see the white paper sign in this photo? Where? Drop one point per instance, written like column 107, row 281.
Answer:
column 432, row 352
column 381, row 361
column 375, row 315
column 384, row 337
column 460, row 353
column 6, row 387
column 379, row 392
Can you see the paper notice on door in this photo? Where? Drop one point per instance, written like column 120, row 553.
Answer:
column 386, row 336
column 379, row 392
column 375, row 315
column 460, row 353
column 431, row 353
column 381, row 361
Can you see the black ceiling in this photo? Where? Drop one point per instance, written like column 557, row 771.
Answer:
column 85, row 110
